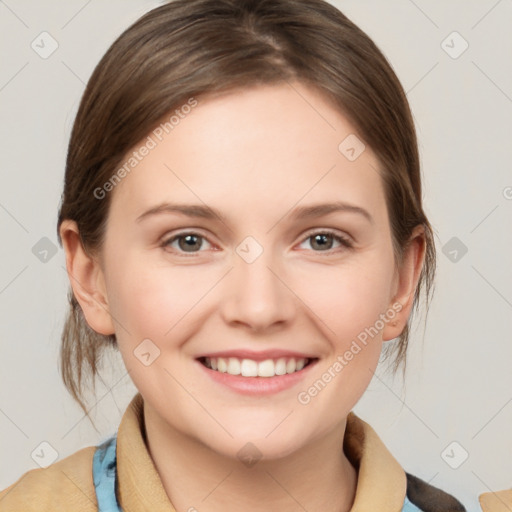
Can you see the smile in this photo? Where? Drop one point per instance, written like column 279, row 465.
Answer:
column 251, row 368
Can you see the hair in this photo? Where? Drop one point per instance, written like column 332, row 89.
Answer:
column 189, row 48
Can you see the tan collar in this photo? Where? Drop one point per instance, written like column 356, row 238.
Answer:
column 140, row 487
column 381, row 483
column 499, row 501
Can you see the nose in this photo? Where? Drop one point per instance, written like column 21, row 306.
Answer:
column 257, row 296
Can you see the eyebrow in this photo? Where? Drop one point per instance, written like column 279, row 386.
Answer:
column 300, row 213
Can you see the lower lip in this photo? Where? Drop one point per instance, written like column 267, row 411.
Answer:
column 258, row 385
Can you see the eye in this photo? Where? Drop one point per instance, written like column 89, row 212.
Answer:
column 324, row 240
column 187, row 242
column 192, row 242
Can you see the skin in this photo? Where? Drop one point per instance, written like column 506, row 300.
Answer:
column 254, row 155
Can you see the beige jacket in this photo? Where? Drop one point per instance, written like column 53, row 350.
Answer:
column 67, row 485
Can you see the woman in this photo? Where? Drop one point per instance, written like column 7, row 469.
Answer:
column 242, row 218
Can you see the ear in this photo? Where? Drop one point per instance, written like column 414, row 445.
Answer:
column 87, row 280
column 406, row 281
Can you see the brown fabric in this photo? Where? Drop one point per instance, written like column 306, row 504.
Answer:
column 67, row 485
column 381, row 482
column 140, row 487
column 430, row 498
column 500, row 501
column 64, row 486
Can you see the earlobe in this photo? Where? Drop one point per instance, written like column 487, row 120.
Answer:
column 86, row 279
column 407, row 278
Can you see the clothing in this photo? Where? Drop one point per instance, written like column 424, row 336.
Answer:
column 121, row 470
column 104, row 477
column 499, row 501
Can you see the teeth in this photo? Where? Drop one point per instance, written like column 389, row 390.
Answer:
column 250, row 368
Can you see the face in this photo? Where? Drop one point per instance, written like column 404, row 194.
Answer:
column 213, row 248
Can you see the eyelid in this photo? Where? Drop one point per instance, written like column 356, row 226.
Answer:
column 345, row 240
column 328, row 231
column 167, row 239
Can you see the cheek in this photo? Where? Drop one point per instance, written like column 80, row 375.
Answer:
column 143, row 300
column 348, row 312
column 348, row 299
column 149, row 303
column 151, row 299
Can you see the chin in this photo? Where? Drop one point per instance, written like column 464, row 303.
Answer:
column 270, row 440
column 251, row 451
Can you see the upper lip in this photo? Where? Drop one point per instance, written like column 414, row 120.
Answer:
column 261, row 355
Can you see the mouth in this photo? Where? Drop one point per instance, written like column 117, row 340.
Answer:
column 251, row 368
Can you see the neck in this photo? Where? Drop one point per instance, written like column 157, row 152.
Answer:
column 317, row 477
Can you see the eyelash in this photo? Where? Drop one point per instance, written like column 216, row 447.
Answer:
column 344, row 241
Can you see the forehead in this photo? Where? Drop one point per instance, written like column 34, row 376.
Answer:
column 255, row 148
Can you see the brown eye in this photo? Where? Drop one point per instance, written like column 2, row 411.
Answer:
column 186, row 242
column 323, row 241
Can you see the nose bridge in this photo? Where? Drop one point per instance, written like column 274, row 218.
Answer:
column 256, row 295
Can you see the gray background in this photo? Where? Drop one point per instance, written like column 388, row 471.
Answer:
column 458, row 385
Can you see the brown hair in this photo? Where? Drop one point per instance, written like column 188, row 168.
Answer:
column 187, row 48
